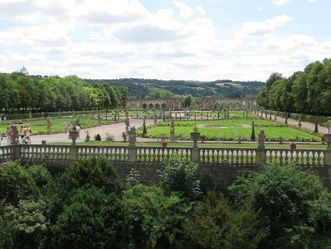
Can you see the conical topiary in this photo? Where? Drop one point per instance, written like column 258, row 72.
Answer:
column 253, row 132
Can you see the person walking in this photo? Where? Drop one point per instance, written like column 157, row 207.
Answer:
column 0, row 137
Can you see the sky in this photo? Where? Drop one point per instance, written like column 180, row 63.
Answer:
column 163, row 39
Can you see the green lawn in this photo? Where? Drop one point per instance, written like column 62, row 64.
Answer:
column 39, row 126
column 229, row 130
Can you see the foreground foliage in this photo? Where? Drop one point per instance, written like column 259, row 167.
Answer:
column 294, row 202
column 87, row 206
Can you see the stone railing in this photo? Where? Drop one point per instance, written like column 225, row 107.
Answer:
column 114, row 153
column 5, row 153
column 159, row 154
column 302, row 157
column 133, row 154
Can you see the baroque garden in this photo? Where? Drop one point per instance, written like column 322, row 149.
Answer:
column 100, row 169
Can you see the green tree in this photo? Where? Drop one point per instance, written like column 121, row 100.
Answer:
column 28, row 224
column 90, row 219
column 153, row 219
column 216, row 224
column 18, row 182
column 294, row 203
column 180, row 175
column 91, row 173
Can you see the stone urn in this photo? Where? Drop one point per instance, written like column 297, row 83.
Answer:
column 195, row 136
column 164, row 142
column 73, row 135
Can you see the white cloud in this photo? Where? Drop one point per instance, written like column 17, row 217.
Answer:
column 262, row 28
column 122, row 38
column 184, row 9
column 281, row 2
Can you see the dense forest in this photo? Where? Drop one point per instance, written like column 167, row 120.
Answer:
column 227, row 88
column 47, row 208
column 306, row 92
column 20, row 92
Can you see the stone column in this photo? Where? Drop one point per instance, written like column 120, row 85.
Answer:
column 132, row 149
column 73, row 152
column 195, row 152
column 261, row 152
column 327, row 139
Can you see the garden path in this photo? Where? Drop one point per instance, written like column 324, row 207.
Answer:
column 113, row 129
column 306, row 125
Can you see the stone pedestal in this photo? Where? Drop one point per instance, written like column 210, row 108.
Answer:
column 261, row 154
column 327, row 139
column 195, row 155
column 73, row 152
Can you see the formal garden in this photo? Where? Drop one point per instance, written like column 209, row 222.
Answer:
column 56, row 125
column 233, row 129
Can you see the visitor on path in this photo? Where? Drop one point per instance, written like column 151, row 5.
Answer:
column 0, row 137
column 27, row 133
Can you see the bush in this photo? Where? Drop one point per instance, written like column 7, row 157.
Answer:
column 18, row 182
column 91, row 219
column 294, row 203
column 216, row 224
column 109, row 137
column 180, row 175
column 97, row 137
column 154, row 220
column 91, row 173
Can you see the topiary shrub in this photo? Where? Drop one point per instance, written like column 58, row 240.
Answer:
column 97, row 137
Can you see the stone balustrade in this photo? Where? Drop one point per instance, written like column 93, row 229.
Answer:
column 218, row 156
column 302, row 157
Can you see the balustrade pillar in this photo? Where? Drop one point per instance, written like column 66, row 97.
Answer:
column 16, row 152
column 73, row 152
column 195, row 154
column 327, row 139
column 261, row 155
column 132, row 148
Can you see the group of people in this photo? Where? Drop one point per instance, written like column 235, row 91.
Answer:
column 25, row 132
column 13, row 135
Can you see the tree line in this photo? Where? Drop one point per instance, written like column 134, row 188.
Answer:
column 20, row 92
column 276, row 208
column 307, row 91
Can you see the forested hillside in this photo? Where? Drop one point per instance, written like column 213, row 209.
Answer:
column 228, row 88
column 307, row 91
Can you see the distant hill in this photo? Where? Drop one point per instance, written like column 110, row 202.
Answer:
column 227, row 88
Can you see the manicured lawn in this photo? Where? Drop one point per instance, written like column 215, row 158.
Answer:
column 40, row 126
column 229, row 130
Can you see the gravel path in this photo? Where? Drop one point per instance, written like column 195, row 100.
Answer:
column 307, row 125
column 114, row 129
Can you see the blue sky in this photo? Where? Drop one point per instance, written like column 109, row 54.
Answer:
column 163, row 39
